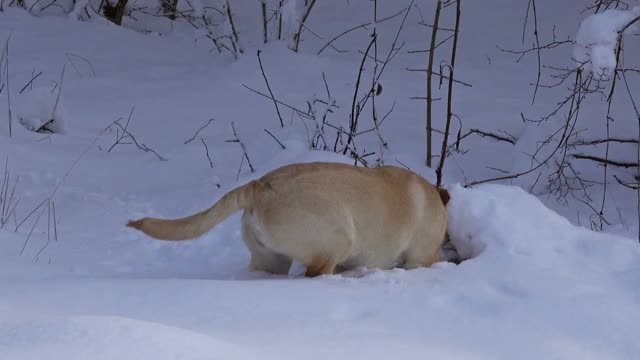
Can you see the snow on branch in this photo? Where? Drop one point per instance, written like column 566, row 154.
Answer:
column 599, row 39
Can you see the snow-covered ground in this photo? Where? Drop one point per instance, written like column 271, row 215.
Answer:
column 534, row 284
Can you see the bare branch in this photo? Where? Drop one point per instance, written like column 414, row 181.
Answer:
column 434, row 31
column 634, row 186
column 275, row 103
column 445, row 141
column 298, row 111
column 206, row 149
column 441, row 76
column 198, row 131
column 356, row 28
column 298, row 34
column 127, row 135
column 244, row 149
column 276, row 139
column 605, row 161
column 33, row 78
column 235, row 40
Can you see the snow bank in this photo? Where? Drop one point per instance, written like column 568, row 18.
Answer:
column 498, row 221
column 597, row 38
column 533, row 278
column 105, row 337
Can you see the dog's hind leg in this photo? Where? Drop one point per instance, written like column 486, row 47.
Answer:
column 327, row 261
column 421, row 257
column 320, row 265
column 262, row 258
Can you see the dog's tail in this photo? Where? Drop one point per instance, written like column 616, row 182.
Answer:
column 193, row 226
column 444, row 195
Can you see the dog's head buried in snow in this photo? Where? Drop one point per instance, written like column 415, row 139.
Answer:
column 329, row 217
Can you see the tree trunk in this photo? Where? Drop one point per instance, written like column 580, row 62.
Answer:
column 115, row 13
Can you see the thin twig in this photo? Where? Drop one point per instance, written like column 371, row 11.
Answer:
column 486, row 134
column 52, row 114
column 33, row 78
column 206, row 149
column 298, row 111
column 126, row 134
column 244, row 149
column 442, row 76
column 355, row 110
column 275, row 103
column 8, row 87
column 298, row 34
column 69, row 55
column 602, row 141
column 633, row 186
column 444, row 41
column 198, row 131
column 538, row 51
column 276, row 139
column 24, row 246
column 235, row 40
column 356, row 28
column 605, row 161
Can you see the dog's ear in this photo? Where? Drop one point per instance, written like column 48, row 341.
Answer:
column 444, row 195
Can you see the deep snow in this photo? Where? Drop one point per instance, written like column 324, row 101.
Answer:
column 535, row 285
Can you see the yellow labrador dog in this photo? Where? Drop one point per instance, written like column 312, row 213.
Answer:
column 327, row 216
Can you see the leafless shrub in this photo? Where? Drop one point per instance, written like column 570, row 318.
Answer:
column 169, row 8
column 566, row 145
column 125, row 137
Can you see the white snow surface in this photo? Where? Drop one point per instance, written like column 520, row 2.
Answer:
column 534, row 284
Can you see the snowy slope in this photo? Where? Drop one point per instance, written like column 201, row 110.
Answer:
column 537, row 288
column 534, row 286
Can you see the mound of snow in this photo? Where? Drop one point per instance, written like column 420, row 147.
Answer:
column 498, row 221
column 105, row 337
column 41, row 109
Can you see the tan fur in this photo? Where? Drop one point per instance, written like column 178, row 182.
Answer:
column 326, row 216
